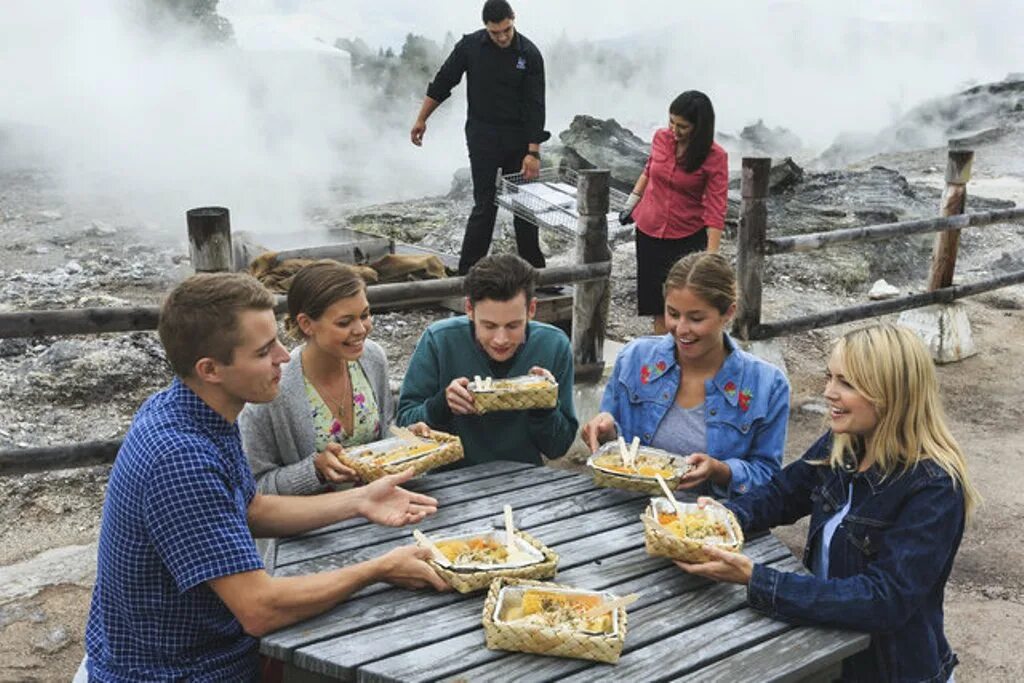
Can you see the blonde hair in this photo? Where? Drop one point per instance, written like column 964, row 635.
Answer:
column 891, row 368
column 709, row 276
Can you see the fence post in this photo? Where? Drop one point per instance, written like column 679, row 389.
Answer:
column 954, row 198
column 209, row 239
column 750, row 244
column 592, row 299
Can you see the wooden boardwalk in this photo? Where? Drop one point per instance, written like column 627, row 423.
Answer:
column 682, row 627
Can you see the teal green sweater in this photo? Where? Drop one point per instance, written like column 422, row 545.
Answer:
column 448, row 350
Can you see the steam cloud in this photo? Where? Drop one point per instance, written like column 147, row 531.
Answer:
column 165, row 125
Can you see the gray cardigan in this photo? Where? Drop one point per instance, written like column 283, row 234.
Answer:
column 278, row 436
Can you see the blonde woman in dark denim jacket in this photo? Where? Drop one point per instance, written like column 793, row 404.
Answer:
column 888, row 495
column 693, row 392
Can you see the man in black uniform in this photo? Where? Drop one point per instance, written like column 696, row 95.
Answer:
column 505, row 122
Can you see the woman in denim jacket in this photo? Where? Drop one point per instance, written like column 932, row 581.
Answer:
column 888, row 495
column 693, row 392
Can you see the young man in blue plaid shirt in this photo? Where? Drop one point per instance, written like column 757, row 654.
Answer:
column 181, row 591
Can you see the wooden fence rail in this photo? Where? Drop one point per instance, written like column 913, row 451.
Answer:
column 382, row 298
column 753, row 245
column 209, row 232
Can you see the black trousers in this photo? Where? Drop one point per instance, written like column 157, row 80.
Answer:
column 490, row 148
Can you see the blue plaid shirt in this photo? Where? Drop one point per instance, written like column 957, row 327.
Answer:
column 174, row 518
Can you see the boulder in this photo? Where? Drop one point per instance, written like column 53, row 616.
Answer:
column 590, row 142
column 883, row 290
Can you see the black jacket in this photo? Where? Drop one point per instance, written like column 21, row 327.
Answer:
column 505, row 87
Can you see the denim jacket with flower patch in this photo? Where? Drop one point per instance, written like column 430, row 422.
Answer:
column 889, row 560
column 746, row 406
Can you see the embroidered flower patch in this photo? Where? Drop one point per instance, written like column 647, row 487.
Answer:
column 730, row 388
column 745, row 397
column 651, row 371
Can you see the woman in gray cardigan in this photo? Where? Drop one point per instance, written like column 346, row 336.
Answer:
column 334, row 392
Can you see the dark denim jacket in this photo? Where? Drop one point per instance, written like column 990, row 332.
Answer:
column 888, row 562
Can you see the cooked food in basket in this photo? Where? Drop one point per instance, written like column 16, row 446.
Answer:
column 476, row 550
column 697, row 526
column 647, row 464
column 524, row 383
column 559, row 610
column 403, row 452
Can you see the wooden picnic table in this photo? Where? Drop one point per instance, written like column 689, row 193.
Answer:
column 682, row 628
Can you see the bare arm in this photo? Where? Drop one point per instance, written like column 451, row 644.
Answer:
column 382, row 501
column 263, row 603
column 714, row 240
column 641, row 184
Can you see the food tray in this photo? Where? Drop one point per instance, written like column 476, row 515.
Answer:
column 548, row 640
column 524, row 392
column 636, row 482
column 370, row 461
column 466, row 579
column 549, row 200
column 661, row 542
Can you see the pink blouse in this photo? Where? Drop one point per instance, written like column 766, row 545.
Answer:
column 677, row 204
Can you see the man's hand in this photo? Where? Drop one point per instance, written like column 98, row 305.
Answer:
column 460, row 401
column 385, row 502
column 724, row 566
column 531, row 167
column 542, row 372
column 416, row 134
column 600, row 429
column 420, row 429
column 406, row 567
column 330, row 468
column 703, row 468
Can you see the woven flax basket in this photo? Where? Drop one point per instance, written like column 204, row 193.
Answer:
column 647, row 485
column 545, row 640
column 661, row 542
column 467, row 582
column 536, row 392
column 449, row 452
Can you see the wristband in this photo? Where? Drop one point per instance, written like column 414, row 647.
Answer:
column 535, row 155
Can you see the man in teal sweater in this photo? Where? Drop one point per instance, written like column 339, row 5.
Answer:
column 496, row 338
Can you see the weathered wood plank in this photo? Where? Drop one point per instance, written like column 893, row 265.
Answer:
column 954, row 199
column 456, row 487
column 792, row 656
column 592, row 299
column 319, row 553
column 750, row 240
column 209, row 239
column 367, row 609
column 552, row 534
column 453, row 655
column 874, row 309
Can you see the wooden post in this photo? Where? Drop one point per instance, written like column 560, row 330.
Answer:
column 209, row 239
column 750, row 244
column 592, row 300
column 954, row 199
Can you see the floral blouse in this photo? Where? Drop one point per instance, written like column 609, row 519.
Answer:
column 366, row 421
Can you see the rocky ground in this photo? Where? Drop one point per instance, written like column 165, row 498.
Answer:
column 56, row 252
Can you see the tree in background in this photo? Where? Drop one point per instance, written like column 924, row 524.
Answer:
column 199, row 15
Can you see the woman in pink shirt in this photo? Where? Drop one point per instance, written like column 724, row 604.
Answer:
column 679, row 200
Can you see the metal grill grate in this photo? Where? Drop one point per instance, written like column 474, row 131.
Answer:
column 549, row 200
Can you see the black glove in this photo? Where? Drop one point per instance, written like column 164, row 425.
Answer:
column 626, row 215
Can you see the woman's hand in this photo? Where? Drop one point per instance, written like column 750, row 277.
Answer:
column 600, row 429
column 385, row 502
column 725, row 567
column 460, row 401
column 703, row 468
column 330, row 469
